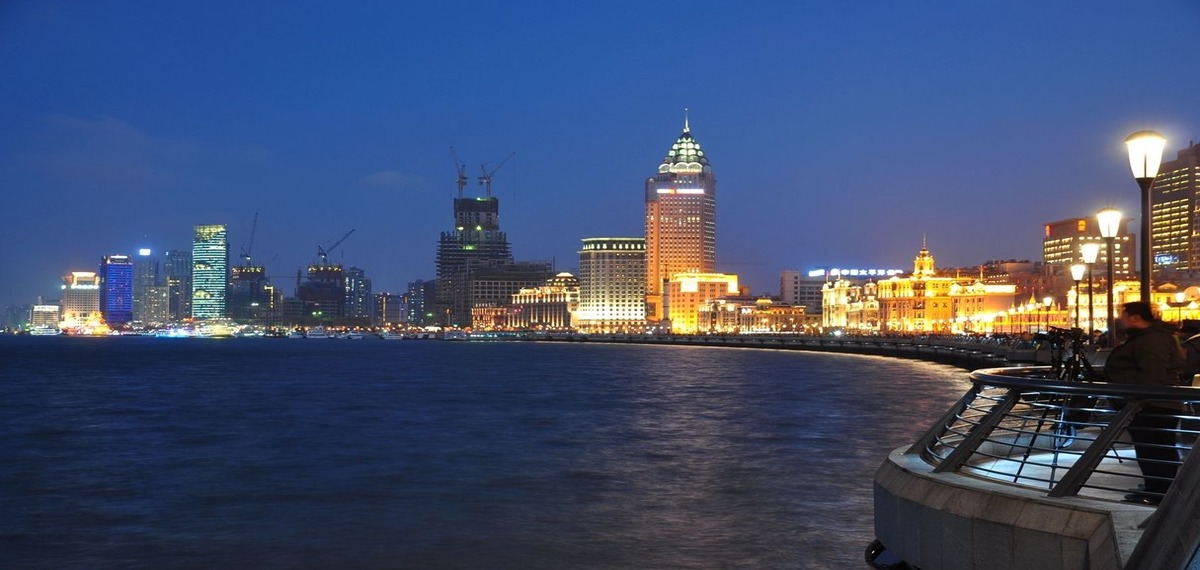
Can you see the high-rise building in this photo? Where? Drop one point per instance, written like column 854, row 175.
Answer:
column 1174, row 223
column 251, row 298
column 80, row 301
column 475, row 242
column 358, row 296
column 177, row 275
column 116, row 289
column 681, row 220
column 390, row 310
column 44, row 316
column 1061, row 247
column 150, row 291
column 210, row 271
column 420, row 300
column 323, row 293
column 612, row 285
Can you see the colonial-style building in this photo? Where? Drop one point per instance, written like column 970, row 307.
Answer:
column 549, row 307
column 850, row 306
column 923, row 302
column 745, row 315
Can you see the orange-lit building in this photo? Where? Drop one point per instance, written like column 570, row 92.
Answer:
column 687, row 292
column 924, row 302
column 681, row 221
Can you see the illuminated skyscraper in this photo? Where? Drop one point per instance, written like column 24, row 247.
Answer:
column 80, row 300
column 210, row 271
column 1174, row 223
column 116, row 289
column 681, row 220
column 612, row 285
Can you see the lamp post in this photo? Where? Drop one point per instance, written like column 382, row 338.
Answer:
column 1145, row 156
column 1047, row 301
column 1109, row 220
column 1091, row 252
column 1077, row 272
column 1179, row 303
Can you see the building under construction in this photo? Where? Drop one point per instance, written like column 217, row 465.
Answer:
column 475, row 243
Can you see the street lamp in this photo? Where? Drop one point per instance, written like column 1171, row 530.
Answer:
column 1047, row 301
column 1145, row 156
column 1109, row 220
column 1077, row 272
column 1179, row 302
column 1091, row 252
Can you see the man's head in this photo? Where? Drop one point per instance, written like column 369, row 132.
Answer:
column 1137, row 315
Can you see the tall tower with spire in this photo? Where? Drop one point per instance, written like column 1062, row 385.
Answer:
column 681, row 220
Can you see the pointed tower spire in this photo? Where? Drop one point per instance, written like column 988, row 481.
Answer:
column 686, row 128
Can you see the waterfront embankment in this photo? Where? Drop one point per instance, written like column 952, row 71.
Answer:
column 969, row 353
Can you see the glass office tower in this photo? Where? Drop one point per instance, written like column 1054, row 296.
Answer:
column 210, row 271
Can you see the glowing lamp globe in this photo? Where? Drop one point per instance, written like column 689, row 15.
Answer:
column 1078, row 271
column 1145, row 153
column 1109, row 221
column 1090, row 252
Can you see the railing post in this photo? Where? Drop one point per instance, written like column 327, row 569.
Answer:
column 1078, row 474
column 980, row 432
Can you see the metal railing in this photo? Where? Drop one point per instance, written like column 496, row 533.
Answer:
column 1024, row 427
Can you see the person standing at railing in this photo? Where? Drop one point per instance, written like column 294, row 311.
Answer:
column 1150, row 356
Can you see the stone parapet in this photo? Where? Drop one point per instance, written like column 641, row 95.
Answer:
column 948, row 521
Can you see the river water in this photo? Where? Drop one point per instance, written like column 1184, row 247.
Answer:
column 279, row 453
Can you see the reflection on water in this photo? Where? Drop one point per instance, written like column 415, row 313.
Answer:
column 297, row 453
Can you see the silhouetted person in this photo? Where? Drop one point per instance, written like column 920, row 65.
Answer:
column 1150, row 356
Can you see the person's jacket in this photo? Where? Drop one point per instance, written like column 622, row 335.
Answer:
column 1149, row 356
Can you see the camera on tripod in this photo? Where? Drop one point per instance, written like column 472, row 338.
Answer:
column 1061, row 337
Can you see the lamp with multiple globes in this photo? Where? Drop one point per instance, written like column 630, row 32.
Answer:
column 1090, row 252
column 1109, row 221
column 1077, row 272
column 1145, row 156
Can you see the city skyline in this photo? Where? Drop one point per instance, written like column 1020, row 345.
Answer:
column 842, row 134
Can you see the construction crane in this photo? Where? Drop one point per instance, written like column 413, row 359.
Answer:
column 324, row 253
column 462, row 172
column 246, row 250
column 486, row 178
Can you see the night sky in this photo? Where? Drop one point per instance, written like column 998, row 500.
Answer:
column 841, row 133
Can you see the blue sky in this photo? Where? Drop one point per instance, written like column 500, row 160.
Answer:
column 840, row 133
